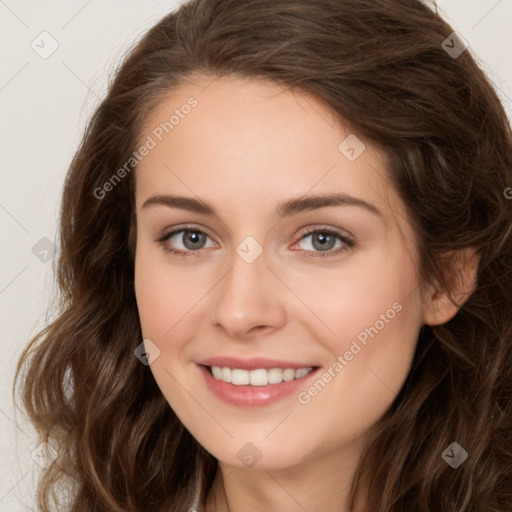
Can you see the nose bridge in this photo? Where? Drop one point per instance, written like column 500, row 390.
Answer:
column 247, row 278
column 247, row 296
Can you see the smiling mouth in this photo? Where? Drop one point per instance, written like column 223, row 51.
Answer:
column 258, row 377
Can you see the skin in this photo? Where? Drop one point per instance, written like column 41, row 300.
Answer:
column 245, row 147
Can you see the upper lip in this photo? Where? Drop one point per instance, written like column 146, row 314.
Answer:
column 253, row 363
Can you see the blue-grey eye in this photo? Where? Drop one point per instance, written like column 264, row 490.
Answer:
column 321, row 241
column 190, row 239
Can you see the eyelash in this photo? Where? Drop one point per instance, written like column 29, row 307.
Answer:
column 349, row 243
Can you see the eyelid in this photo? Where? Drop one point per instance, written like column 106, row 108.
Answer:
column 168, row 233
column 312, row 228
column 347, row 238
column 181, row 227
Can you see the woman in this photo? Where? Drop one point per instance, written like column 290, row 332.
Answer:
column 285, row 271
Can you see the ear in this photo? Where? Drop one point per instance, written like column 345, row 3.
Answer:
column 461, row 270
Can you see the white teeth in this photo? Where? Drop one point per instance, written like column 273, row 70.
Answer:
column 226, row 374
column 217, row 372
column 288, row 375
column 239, row 377
column 259, row 377
column 301, row 372
column 275, row 376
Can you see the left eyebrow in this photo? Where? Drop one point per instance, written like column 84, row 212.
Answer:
column 301, row 204
column 283, row 209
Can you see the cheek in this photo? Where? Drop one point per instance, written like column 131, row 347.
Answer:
column 154, row 303
column 373, row 314
column 164, row 293
column 376, row 317
column 377, row 292
column 165, row 298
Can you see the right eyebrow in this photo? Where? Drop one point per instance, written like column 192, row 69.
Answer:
column 182, row 202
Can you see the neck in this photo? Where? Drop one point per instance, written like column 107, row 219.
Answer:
column 322, row 483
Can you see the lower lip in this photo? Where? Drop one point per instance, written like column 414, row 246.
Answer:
column 253, row 396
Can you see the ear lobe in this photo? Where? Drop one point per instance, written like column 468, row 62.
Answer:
column 461, row 271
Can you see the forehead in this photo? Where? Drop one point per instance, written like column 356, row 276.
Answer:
column 248, row 144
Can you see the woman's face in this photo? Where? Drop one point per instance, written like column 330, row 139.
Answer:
column 293, row 252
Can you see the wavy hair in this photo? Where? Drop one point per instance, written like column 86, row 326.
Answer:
column 382, row 67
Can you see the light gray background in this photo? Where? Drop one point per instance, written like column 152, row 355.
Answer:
column 44, row 106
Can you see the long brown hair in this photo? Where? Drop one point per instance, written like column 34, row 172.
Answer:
column 383, row 67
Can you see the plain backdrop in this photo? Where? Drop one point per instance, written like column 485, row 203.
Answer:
column 55, row 61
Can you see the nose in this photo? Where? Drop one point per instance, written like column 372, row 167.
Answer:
column 249, row 300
